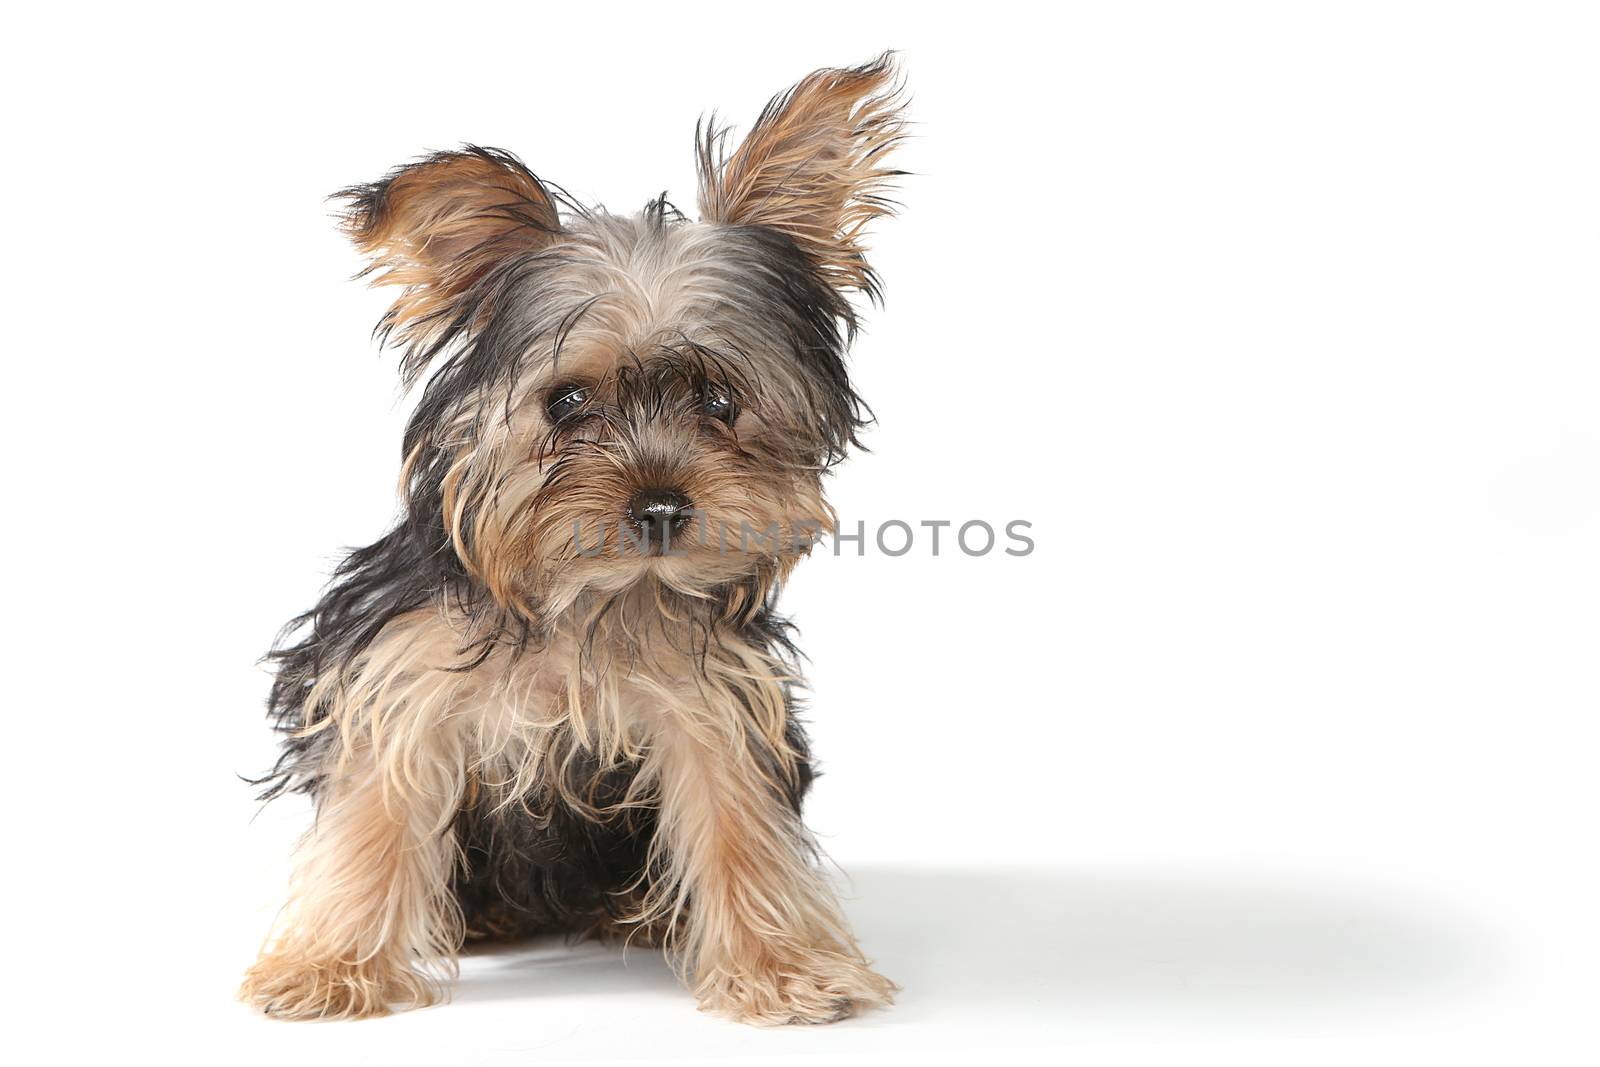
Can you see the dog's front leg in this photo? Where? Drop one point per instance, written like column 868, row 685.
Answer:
column 370, row 922
column 764, row 940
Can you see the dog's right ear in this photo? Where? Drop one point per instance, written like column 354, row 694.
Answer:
column 437, row 227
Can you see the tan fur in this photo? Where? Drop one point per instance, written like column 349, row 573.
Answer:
column 370, row 922
column 765, row 941
column 813, row 167
column 521, row 547
column 440, row 226
column 573, row 660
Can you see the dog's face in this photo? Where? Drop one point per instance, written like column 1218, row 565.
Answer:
column 612, row 398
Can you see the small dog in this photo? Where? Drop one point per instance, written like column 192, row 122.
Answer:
column 513, row 722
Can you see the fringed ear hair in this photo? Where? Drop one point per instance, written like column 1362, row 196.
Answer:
column 813, row 168
column 439, row 226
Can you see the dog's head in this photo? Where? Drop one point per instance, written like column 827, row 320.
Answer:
column 613, row 398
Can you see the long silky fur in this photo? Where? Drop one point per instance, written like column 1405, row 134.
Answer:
column 504, row 735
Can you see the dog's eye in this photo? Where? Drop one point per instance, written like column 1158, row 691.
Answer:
column 563, row 400
column 719, row 405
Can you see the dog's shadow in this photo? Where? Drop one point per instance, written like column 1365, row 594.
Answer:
column 1048, row 946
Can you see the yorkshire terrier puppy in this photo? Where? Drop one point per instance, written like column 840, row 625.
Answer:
column 556, row 697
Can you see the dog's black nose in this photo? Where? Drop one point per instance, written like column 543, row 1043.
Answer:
column 660, row 513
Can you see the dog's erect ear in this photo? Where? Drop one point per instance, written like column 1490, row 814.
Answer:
column 813, row 167
column 438, row 226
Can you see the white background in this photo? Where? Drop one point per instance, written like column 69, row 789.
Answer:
column 1277, row 321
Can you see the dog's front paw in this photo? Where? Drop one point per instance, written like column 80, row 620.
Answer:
column 824, row 987
column 288, row 986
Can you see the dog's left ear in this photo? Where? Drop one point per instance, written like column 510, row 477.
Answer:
column 813, row 168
